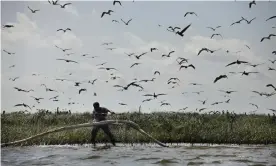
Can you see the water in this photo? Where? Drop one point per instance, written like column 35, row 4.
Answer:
column 140, row 155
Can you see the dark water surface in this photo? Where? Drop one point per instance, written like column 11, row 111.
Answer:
column 140, row 155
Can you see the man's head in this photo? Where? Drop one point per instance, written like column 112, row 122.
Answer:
column 96, row 105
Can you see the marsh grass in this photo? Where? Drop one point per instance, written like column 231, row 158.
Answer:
column 166, row 127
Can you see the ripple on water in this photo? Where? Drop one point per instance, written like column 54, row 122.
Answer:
column 166, row 161
column 195, row 163
column 147, row 158
column 92, row 157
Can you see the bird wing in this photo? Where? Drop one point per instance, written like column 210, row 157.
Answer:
column 185, row 28
column 103, row 13
column 161, row 94
column 231, row 64
column 129, row 21
column 191, row 66
column 67, row 4
column 30, row 9
column 18, row 105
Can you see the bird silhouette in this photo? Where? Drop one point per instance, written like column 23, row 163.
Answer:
column 274, row 52
column 165, row 104
column 203, row 49
column 101, row 64
column 181, row 33
column 247, row 47
column 273, row 110
column 8, row 26
column 63, row 6
column 183, row 109
column 168, row 55
column 270, row 68
column 134, row 64
column 214, row 29
column 220, row 77
column 238, row 62
column 129, row 54
column 122, row 103
column 37, row 99
column 216, row 103
column 228, row 92
column 127, row 86
column 13, row 79
column 252, row 3
column 216, row 34
column 146, row 100
column 64, row 30
column 268, row 37
column 48, row 89
column 272, row 86
column 67, row 60
column 183, row 66
column 156, row 72
column 108, row 13
column 247, row 73
column 12, row 66
column 190, row 13
column 272, row 61
column 172, row 29
column 24, row 105
column 114, row 2
column 66, row 49
column 82, row 90
column 55, row 97
column 227, row 101
column 22, row 90
column 92, row 82
column 115, row 21
column 33, row 11
column 126, row 23
column 10, row 53
column 248, row 22
column 237, row 22
column 203, row 101
column 108, row 68
column 194, row 84
column 272, row 17
column 138, row 56
column 254, row 105
column 147, row 80
column 152, row 49
column 255, row 65
column 155, row 95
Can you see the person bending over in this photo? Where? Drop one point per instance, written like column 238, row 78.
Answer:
column 99, row 114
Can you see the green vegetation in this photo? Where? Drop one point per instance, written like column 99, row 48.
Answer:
column 166, row 127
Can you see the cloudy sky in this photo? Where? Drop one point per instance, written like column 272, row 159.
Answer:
column 34, row 36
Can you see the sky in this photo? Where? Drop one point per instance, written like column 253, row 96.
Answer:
column 34, row 36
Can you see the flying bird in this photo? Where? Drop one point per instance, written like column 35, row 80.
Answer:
column 272, row 86
column 194, row 84
column 10, row 53
column 22, row 90
column 122, row 103
column 13, row 79
column 101, row 64
column 12, row 66
column 237, row 22
column 215, row 103
column 81, row 90
column 254, row 105
column 8, row 26
column 37, row 99
column 129, row 54
column 255, row 65
column 108, row 12
column 214, row 29
column 63, row 6
column 238, row 62
column 268, row 37
column 247, row 73
column 191, row 13
column 181, row 33
column 247, row 47
column 248, row 22
column 252, row 3
column 165, row 104
column 114, row 2
column 147, row 80
column 216, row 34
column 92, row 82
column 203, row 49
column 33, row 11
column 107, row 68
column 270, row 68
column 152, row 49
column 127, row 86
column 274, row 52
column 273, row 110
column 183, row 109
column 168, row 54
column 272, row 61
column 155, row 95
column 115, row 21
column 138, row 57
column 134, row 64
column 146, row 100
column 126, row 23
column 228, row 92
column 272, row 17
column 66, row 49
column 190, row 65
column 67, row 60
column 156, row 72
column 23, row 104
column 220, row 77
column 55, row 97
column 64, row 30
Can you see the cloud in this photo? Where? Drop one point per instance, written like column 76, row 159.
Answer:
column 27, row 33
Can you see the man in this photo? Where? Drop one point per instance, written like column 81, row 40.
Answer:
column 99, row 114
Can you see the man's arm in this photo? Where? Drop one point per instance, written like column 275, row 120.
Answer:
column 107, row 110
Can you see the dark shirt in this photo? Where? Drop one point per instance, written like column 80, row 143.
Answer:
column 100, row 113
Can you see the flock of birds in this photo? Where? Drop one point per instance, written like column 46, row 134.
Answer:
column 182, row 62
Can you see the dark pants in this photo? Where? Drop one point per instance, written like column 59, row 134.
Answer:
column 105, row 128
